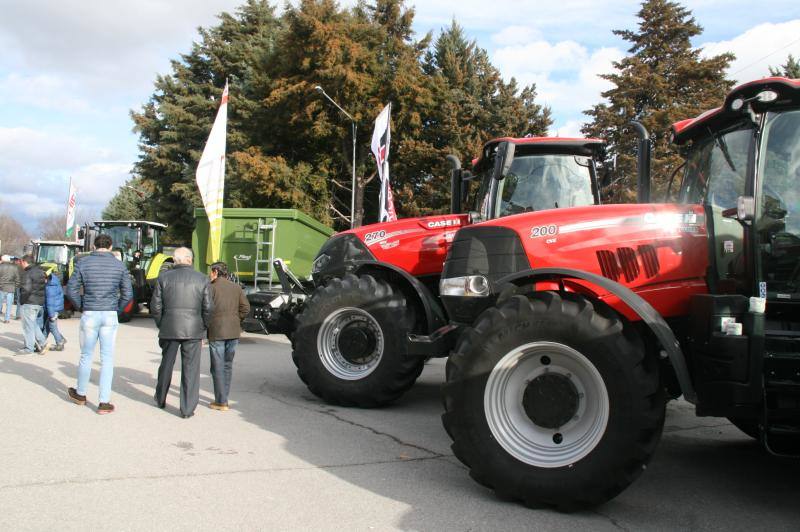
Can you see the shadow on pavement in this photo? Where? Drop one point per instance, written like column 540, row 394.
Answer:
column 690, row 478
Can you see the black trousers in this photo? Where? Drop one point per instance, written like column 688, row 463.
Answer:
column 190, row 373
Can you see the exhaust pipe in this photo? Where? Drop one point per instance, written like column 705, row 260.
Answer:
column 455, row 184
column 643, row 175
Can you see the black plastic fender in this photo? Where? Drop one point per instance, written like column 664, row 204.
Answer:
column 642, row 308
column 434, row 313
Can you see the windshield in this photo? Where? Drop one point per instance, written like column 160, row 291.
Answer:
column 540, row 182
column 716, row 168
column 778, row 220
column 123, row 238
column 57, row 254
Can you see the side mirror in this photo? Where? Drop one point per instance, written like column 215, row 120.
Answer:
column 503, row 159
column 81, row 234
column 745, row 210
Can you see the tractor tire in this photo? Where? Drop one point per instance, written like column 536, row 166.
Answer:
column 551, row 400
column 347, row 344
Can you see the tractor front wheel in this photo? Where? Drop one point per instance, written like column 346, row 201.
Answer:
column 348, row 343
column 551, row 400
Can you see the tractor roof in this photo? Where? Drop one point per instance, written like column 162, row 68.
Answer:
column 545, row 145
column 112, row 223
column 56, row 243
column 788, row 92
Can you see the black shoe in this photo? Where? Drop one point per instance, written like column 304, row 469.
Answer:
column 159, row 404
column 187, row 416
column 75, row 397
column 105, row 408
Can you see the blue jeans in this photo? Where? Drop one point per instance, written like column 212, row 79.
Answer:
column 97, row 325
column 30, row 328
column 51, row 327
column 222, row 352
column 6, row 300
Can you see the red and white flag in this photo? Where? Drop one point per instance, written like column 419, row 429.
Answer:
column 69, row 230
column 380, row 148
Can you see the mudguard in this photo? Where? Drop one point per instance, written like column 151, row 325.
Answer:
column 155, row 266
column 642, row 308
column 434, row 314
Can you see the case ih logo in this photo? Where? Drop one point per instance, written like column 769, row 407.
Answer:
column 436, row 224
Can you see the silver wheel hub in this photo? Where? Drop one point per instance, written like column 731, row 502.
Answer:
column 350, row 343
column 546, row 404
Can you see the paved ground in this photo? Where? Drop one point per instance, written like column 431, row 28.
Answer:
column 281, row 460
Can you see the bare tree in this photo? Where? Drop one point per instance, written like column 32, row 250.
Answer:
column 13, row 236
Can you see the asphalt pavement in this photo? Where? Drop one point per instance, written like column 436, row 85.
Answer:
column 282, row 460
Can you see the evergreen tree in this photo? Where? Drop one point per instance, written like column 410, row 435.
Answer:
column 131, row 202
column 661, row 81
column 790, row 69
column 288, row 146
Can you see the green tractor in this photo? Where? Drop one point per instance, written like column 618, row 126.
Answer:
column 57, row 256
column 139, row 245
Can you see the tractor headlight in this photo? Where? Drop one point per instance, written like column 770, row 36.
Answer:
column 467, row 286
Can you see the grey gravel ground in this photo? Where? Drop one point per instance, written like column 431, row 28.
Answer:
column 282, row 460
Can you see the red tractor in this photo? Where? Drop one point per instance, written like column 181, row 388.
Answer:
column 571, row 328
column 362, row 337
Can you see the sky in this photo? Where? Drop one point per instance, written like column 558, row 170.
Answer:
column 71, row 71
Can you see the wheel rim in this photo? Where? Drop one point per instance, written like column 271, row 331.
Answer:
column 350, row 343
column 526, row 376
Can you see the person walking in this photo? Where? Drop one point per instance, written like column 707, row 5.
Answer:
column 100, row 286
column 32, row 299
column 53, row 305
column 10, row 281
column 18, row 291
column 181, row 307
column 230, row 308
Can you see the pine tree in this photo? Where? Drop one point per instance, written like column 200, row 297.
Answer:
column 288, row 146
column 131, row 202
column 790, row 69
column 661, row 81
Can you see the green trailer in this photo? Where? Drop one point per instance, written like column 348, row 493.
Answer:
column 253, row 238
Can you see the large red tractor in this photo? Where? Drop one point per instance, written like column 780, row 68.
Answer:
column 378, row 286
column 572, row 327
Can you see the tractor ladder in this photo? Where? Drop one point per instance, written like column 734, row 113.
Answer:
column 265, row 252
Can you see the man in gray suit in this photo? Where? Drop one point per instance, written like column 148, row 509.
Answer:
column 181, row 306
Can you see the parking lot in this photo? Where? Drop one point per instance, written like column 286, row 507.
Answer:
column 282, row 460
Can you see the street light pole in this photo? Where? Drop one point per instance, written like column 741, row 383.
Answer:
column 355, row 130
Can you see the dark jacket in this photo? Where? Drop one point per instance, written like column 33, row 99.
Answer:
column 105, row 281
column 181, row 304
column 54, row 295
column 230, row 308
column 10, row 278
column 33, row 282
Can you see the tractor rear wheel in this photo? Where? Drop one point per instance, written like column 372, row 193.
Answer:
column 552, row 400
column 348, row 343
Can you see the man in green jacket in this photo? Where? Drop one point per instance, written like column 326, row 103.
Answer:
column 230, row 308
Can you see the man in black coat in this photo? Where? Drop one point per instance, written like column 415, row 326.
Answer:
column 181, row 306
column 32, row 299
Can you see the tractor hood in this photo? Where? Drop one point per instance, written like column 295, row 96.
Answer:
column 416, row 245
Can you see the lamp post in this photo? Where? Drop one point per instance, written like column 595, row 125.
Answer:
column 355, row 129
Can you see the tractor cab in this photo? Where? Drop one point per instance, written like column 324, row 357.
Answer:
column 55, row 255
column 743, row 166
column 140, row 247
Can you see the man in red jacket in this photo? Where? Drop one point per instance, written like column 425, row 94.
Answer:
column 230, row 308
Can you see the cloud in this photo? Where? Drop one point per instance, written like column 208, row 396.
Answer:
column 566, row 75
column 38, row 164
column 43, row 91
column 758, row 48
column 512, row 35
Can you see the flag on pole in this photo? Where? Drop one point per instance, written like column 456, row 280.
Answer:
column 69, row 230
column 381, row 137
column 211, row 178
